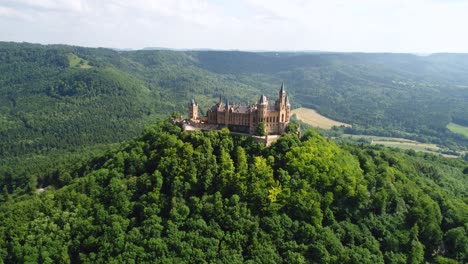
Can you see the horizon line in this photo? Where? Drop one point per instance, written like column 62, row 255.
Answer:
column 149, row 48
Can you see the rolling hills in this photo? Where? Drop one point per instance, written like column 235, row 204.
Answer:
column 62, row 97
column 215, row 197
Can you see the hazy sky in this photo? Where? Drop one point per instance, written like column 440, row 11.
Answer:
column 333, row 25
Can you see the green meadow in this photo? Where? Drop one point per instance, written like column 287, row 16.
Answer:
column 463, row 130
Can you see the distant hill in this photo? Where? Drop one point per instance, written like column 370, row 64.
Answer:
column 67, row 97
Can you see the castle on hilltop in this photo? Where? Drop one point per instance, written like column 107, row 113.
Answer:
column 246, row 119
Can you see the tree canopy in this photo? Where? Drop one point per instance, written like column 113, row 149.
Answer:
column 168, row 196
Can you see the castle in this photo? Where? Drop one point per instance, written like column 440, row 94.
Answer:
column 246, row 119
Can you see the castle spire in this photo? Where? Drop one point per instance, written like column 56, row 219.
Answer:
column 192, row 102
column 282, row 91
column 263, row 100
column 287, row 100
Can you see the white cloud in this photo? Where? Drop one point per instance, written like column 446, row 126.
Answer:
column 48, row 5
column 7, row 12
column 360, row 25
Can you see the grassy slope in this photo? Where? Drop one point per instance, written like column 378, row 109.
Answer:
column 462, row 130
column 75, row 61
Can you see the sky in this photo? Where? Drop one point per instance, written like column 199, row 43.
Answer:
column 415, row 26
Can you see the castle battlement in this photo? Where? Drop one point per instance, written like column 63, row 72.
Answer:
column 245, row 119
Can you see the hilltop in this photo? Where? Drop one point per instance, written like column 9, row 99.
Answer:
column 168, row 196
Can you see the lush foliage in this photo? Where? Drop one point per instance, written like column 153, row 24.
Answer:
column 260, row 131
column 47, row 103
column 173, row 197
column 65, row 97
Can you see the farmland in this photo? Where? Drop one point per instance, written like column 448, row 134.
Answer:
column 402, row 143
column 311, row 117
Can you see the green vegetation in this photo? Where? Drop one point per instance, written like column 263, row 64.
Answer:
column 75, row 61
column 292, row 128
column 169, row 196
column 47, row 105
column 64, row 97
column 398, row 95
column 172, row 197
column 260, row 131
column 462, row 130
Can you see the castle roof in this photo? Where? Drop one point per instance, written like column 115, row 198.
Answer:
column 282, row 91
column 287, row 100
column 192, row 102
column 263, row 100
column 241, row 109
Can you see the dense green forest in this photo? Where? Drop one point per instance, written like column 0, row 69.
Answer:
column 215, row 197
column 212, row 197
column 59, row 97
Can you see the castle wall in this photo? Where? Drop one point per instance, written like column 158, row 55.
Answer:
column 245, row 119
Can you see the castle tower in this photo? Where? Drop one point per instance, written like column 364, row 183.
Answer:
column 282, row 90
column 227, row 114
column 193, row 110
column 262, row 107
column 282, row 104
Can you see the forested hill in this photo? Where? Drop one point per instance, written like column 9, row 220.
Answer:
column 66, row 97
column 172, row 197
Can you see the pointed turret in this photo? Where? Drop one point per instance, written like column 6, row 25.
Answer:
column 192, row 102
column 282, row 91
column 287, row 100
column 263, row 100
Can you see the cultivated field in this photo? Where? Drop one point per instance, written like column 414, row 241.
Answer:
column 458, row 129
column 396, row 142
column 311, row 117
column 402, row 143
